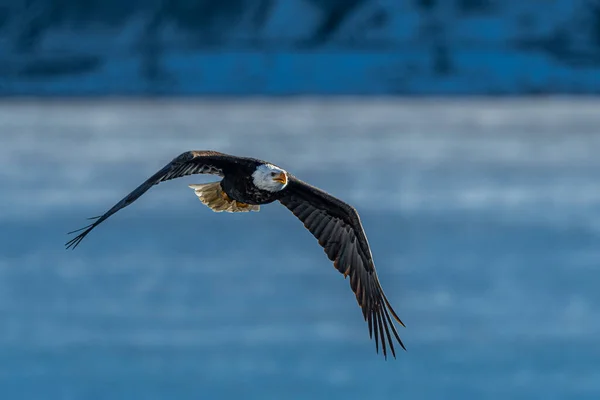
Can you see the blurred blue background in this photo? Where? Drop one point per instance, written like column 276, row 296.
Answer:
column 465, row 133
column 281, row 47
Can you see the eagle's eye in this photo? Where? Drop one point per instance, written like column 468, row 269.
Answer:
column 273, row 173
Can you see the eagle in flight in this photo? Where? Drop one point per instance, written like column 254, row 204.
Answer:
column 248, row 183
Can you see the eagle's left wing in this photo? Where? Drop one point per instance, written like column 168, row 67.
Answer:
column 337, row 227
column 188, row 163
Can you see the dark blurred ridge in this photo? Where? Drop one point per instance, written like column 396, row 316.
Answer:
column 299, row 47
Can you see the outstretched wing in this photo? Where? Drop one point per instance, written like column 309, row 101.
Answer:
column 188, row 163
column 337, row 227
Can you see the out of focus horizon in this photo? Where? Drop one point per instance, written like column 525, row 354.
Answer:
column 292, row 47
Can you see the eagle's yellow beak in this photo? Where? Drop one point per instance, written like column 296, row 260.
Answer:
column 281, row 178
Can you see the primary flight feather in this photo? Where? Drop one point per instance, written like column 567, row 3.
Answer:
column 248, row 183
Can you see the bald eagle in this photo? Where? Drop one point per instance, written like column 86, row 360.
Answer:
column 249, row 183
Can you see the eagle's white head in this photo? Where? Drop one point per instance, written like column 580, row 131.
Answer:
column 270, row 178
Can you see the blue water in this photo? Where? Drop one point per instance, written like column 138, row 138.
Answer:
column 483, row 217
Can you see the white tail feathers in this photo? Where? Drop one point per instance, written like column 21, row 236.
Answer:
column 213, row 196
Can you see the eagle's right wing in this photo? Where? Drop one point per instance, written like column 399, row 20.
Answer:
column 188, row 163
column 337, row 227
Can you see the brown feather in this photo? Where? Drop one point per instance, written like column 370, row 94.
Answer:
column 188, row 163
column 337, row 227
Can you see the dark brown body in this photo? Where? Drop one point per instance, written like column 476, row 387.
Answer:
column 239, row 186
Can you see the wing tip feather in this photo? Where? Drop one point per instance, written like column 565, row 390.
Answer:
column 74, row 242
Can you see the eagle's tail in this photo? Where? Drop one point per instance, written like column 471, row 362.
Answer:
column 212, row 195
